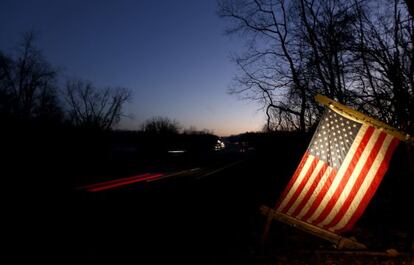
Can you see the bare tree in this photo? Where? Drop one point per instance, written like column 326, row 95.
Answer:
column 161, row 125
column 91, row 107
column 192, row 130
column 296, row 49
column 260, row 75
column 386, row 53
column 358, row 52
column 28, row 83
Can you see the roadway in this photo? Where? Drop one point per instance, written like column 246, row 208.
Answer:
column 195, row 215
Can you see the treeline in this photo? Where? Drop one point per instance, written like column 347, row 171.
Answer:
column 50, row 133
column 68, row 132
column 360, row 53
column 29, row 94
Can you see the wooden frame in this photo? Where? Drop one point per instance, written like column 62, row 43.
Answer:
column 360, row 117
column 339, row 241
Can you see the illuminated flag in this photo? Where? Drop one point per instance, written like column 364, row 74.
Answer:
column 339, row 173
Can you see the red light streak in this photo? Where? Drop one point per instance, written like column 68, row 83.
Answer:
column 119, row 182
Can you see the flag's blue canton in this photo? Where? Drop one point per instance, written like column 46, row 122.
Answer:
column 333, row 138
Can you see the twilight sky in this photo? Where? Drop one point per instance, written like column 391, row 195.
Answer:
column 172, row 54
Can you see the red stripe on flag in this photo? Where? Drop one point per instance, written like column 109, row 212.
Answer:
column 360, row 179
column 328, row 183
column 346, row 176
column 320, row 195
column 301, row 185
column 311, row 189
column 293, row 179
column 373, row 187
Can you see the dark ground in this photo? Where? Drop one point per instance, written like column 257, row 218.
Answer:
column 194, row 219
column 212, row 220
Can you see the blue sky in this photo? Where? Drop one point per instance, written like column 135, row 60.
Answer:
column 173, row 55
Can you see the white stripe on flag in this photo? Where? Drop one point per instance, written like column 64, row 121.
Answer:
column 365, row 185
column 315, row 193
column 351, row 181
column 297, row 182
column 340, row 174
column 307, row 186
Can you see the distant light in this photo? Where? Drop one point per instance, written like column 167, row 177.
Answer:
column 176, row 151
column 219, row 145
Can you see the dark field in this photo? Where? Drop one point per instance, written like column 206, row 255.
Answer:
column 208, row 215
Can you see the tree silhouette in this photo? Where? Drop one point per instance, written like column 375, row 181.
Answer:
column 28, row 87
column 410, row 5
column 92, row 107
column 161, row 125
column 357, row 52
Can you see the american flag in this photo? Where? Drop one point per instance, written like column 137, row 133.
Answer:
column 338, row 174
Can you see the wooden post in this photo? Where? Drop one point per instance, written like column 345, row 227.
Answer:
column 339, row 241
column 266, row 229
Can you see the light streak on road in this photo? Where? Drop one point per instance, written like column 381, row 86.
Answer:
column 119, row 182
